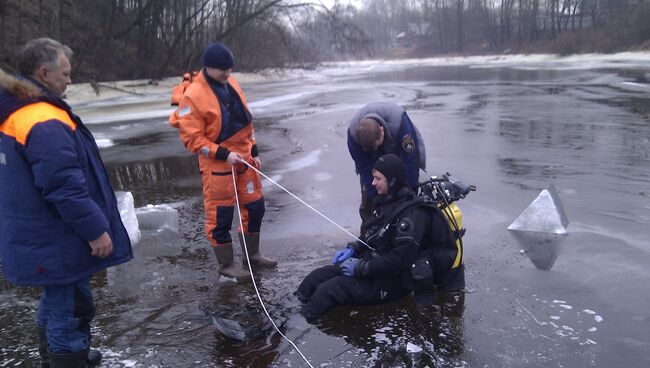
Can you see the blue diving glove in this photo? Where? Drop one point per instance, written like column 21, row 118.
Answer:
column 349, row 266
column 342, row 255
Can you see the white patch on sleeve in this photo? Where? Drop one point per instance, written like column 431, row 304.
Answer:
column 184, row 111
column 3, row 158
column 249, row 187
column 205, row 151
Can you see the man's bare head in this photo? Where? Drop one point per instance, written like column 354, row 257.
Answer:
column 370, row 134
column 47, row 61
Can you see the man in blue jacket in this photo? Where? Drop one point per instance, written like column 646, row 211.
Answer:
column 59, row 222
column 377, row 129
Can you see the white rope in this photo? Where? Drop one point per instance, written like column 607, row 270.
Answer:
column 306, row 204
column 250, row 269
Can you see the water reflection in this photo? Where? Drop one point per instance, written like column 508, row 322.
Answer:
column 541, row 248
column 157, row 181
column 243, row 335
column 383, row 332
column 466, row 74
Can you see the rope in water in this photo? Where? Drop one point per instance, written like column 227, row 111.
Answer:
column 306, row 204
column 250, row 269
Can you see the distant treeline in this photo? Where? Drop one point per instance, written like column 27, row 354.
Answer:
column 470, row 26
column 133, row 39
column 128, row 39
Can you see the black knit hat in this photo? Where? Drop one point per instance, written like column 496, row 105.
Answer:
column 217, row 55
column 392, row 167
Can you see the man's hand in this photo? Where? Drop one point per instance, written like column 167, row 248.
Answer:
column 102, row 246
column 257, row 163
column 234, row 157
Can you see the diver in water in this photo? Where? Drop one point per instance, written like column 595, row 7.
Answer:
column 401, row 239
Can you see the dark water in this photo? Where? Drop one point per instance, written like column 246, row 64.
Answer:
column 510, row 130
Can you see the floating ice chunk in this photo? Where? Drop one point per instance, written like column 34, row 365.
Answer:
column 545, row 214
column 104, row 142
column 157, row 217
column 382, row 338
column 127, row 213
column 541, row 227
column 598, row 318
column 412, row 348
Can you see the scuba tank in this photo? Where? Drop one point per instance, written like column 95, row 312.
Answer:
column 440, row 265
column 454, row 218
column 446, row 259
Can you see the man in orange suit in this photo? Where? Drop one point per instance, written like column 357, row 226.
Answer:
column 214, row 121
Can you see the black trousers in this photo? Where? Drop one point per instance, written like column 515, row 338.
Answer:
column 326, row 287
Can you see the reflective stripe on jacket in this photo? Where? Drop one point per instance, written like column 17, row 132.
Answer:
column 199, row 121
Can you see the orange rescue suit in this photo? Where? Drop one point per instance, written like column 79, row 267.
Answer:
column 199, row 121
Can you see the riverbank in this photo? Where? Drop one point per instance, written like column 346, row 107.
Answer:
column 85, row 92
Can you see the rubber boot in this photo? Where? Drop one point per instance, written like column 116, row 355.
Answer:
column 92, row 360
column 68, row 360
column 253, row 244
column 227, row 266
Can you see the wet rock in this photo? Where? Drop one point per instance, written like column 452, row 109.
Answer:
column 230, row 328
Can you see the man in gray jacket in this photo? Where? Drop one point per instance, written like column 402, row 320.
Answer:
column 375, row 130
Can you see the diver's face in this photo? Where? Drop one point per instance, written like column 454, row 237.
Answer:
column 379, row 182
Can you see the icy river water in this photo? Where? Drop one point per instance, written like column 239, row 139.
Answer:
column 509, row 125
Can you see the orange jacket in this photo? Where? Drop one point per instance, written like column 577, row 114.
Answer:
column 198, row 119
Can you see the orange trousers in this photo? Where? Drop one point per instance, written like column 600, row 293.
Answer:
column 219, row 202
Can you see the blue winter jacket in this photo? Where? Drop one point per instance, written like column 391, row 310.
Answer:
column 55, row 195
column 401, row 137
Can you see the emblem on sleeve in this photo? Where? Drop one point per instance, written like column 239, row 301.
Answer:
column 408, row 144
